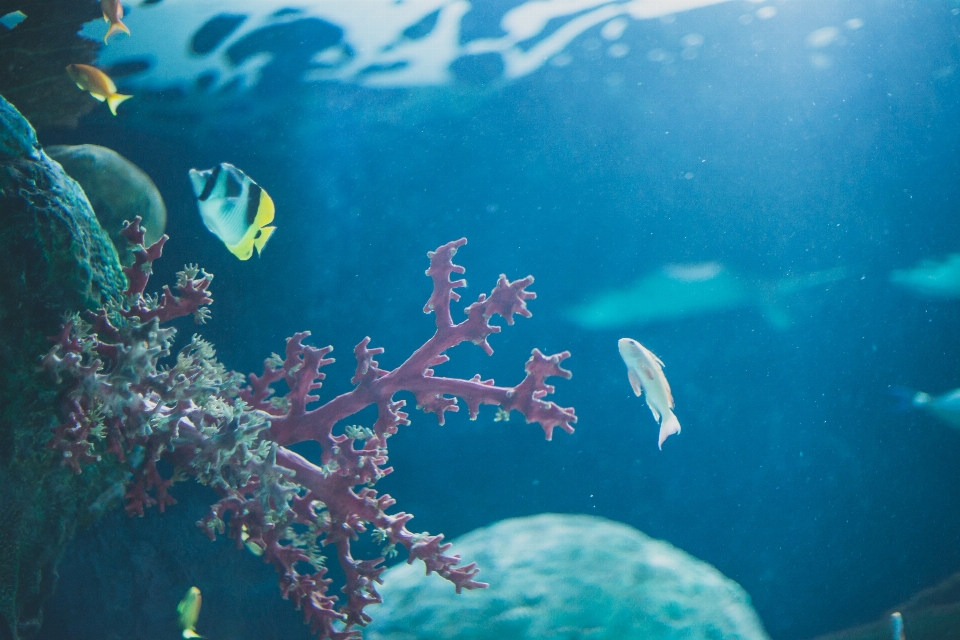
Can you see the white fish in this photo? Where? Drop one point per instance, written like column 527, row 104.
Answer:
column 931, row 279
column 684, row 290
column 645, row 371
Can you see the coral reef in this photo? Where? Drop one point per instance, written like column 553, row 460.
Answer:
column 570, row 576
column 117, row 189
column 54, row 258
column 203, row 422
column 35, row 55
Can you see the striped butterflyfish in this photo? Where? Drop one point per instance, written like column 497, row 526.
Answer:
column 234, row 208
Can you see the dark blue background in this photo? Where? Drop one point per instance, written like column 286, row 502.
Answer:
column 794, row 474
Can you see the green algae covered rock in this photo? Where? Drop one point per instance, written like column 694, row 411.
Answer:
column 567, row 576
column 118, row 191
column 54, row 259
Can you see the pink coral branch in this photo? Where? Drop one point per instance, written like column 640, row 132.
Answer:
column 193, row 293
column 274, row 501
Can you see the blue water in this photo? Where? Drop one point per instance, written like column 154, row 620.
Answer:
column 795, row 474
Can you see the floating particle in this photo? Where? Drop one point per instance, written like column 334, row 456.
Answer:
column 561, row 59
column 854, row 23
column 618, row 50
column 659, row 55
column 614, row 29
column 821, row 61
column 692, row 40
column 822, row 37
column 765, row 13
column 745, row 18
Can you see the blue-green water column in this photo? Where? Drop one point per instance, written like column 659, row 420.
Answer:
column 54, row 258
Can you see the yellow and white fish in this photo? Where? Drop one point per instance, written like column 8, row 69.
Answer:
column 234, row 208
column 113, row 14
column 96, row 83
column 645, row 371
column 188, row 611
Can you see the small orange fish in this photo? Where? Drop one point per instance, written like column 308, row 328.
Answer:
column 113, row 13
column 96, row 83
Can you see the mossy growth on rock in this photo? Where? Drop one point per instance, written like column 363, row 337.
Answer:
column 54, row 259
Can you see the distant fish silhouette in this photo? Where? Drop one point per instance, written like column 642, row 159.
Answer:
column 12, row 19
column 931, row 279
column 682, row 290
column 945, row 407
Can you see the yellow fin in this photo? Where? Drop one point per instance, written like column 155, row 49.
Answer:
column 114, row 100
column 243, row 250
column 115, row 27
column 265, row 211
column 261, row 240
column 190, row 633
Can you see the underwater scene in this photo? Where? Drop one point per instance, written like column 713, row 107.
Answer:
column 480, row 319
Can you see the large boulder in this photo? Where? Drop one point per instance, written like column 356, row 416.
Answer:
column 117, row 189
column 567, row 576
column 54, row 259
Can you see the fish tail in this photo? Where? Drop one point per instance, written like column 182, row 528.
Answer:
column 261, row 240
column 115, row 27
column 907, row 398
column 115, row 100
column 668, row 426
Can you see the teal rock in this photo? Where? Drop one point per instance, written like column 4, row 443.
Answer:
column 567, row 576
column 54, row 259
column 117, row 189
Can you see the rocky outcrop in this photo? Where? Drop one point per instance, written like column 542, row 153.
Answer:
column 54, row 259
column 932, row 614
column 567, row 576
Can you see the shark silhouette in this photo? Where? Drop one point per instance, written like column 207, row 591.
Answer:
column 680, row 291
column 931, row 279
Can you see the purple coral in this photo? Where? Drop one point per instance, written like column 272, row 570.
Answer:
column 209, row 425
